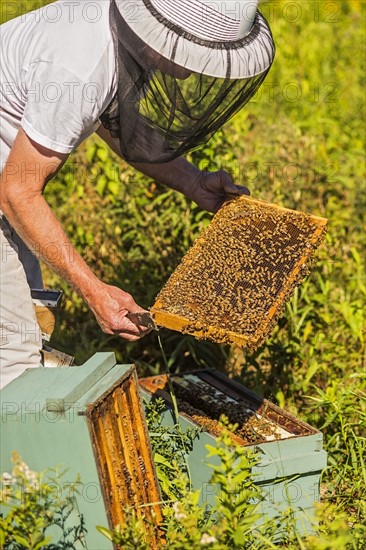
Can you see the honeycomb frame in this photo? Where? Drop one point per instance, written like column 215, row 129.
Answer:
column 186, row 301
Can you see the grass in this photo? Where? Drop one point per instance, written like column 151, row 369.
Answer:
column 299, row 143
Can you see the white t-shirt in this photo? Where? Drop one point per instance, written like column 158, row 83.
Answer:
column 57, row 74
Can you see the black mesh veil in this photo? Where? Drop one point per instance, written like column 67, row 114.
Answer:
column 163, row 109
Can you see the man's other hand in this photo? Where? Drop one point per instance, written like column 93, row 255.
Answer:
column 208, row 189
column 212, row 189
column 114, row 309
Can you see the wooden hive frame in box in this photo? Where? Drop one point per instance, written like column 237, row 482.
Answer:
column 123, row 453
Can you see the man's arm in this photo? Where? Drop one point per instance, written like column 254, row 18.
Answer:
column 208, row 189
column 28, row 169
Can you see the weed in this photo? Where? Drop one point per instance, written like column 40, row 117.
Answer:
column 34, row 506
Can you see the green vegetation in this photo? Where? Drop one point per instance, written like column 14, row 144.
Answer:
column 39, row 510
column 230, row 523
column 299, row 143
column 234, row 522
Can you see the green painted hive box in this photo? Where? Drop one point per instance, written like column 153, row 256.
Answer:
column 89, row 420
column 291, row 451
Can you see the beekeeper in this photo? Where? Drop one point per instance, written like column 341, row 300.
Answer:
column 155, row 79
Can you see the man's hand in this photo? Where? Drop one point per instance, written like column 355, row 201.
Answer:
column 214, row 188
column 208, row 189
column 114, row 310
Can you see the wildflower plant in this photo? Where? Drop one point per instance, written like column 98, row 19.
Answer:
column 33, row 507
column 190, row 524
column 132, row 535
column 234, row 522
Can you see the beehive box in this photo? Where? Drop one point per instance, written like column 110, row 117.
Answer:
column 291, row 451
column 89, row 419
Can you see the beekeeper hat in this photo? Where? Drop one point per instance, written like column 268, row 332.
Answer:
column 184, row 68
column 218, row 38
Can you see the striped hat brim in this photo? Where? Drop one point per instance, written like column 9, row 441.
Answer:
column 218, row 55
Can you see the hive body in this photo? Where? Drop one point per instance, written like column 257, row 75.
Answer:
column 232, row 285
column 89, row 420
column 291, row 455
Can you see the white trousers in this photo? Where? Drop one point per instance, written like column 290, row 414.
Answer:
column 20, row 335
